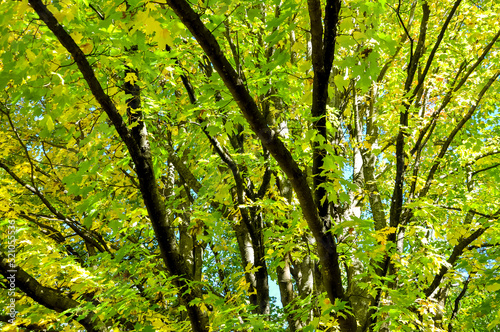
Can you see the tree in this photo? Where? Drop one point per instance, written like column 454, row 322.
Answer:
column 164, row 162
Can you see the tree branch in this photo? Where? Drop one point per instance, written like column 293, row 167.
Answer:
column 453, row 133
column 430, row 59
column 397, row 195
column 453, row 88
column 457, row 252
column 83, row 233
column 270, row 139
column 485, row 169
column 141, row 156
column 49, row 297
column 456, row 306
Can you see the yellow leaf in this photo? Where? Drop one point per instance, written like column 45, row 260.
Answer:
column 87, row 48
column 158, row 324
column 163, row 37
column 304, row 66
column 298, row 47
column 58, row 15
column 77, row 37
column 359, row 36
column 493, row 287
column 31, row 56
column 22, row 7
column 131, row 77
column 49, row 123
column 58, row 90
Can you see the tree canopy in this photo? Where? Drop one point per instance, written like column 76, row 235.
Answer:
column 319, row 165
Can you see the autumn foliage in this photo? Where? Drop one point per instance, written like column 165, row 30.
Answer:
column 254, row 165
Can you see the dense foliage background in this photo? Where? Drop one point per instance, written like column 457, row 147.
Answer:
column 165, row 164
